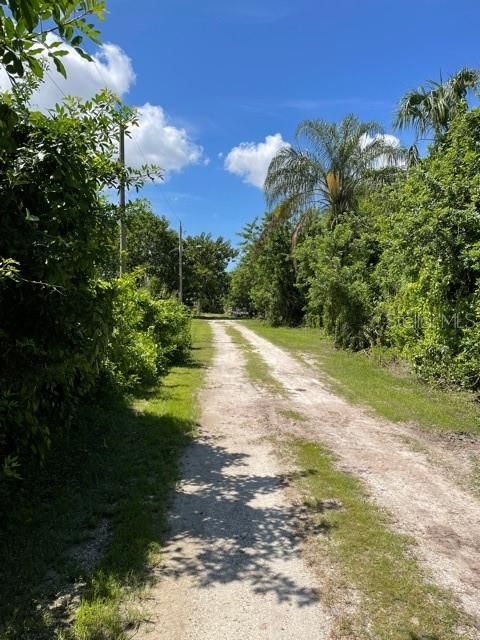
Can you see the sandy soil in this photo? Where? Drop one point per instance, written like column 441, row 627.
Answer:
column 232, row 565
column 424, row 498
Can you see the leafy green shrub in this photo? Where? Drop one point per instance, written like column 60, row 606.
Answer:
column 55, row 310
column 429, row 273
column 264, row 281
column 55, row 315
column 149, row 334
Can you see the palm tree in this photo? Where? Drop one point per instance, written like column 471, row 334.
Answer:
column 328, row 170
column 431, row 109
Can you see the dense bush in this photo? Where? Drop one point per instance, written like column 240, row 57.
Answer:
column 335, row 269
column 401, row 269
column 149, row 334
column 55, row 315
column 430, row 266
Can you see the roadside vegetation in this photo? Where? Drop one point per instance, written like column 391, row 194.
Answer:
column 106, row 490
column 98, row 375
column 374, row 247
column 371, row 379
column 375, row 244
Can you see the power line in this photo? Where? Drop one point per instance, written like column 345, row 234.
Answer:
column 47, row 71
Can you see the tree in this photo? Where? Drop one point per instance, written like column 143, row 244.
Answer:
column 152, row 244
column 429, row 272
column 328, row 169
column 205, row 277
column 35, row 30
column 335, row 272
column 431, row 109
column 264, row 281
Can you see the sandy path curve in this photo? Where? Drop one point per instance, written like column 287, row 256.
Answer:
column 443, row 519
column 232, row 566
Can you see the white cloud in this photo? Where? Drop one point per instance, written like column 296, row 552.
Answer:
column 389, row 140
column 251, row 161
column 111, row 68
column 155, row 140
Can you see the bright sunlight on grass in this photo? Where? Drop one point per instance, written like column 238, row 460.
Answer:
column 359, row 378
column 257, row 368
column 396, row 601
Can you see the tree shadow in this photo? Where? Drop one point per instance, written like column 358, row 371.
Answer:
column 236, row 524
column 114, row 473
column 111, row 476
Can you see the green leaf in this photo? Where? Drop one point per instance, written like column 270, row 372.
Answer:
column 59, row 66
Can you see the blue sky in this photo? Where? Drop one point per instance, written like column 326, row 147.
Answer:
column 230, row 72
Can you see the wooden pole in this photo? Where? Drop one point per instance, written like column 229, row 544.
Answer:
column 180, row 266
column 122, row 203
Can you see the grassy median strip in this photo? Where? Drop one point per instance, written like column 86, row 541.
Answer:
column 359, row 378
column 85, row 536
column 396, row 601
column 257, row 368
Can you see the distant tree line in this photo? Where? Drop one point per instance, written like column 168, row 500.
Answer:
column 153, row 245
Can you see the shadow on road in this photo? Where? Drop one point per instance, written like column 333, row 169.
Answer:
column 229, row 525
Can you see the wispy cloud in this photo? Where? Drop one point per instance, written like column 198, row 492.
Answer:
column 309, row 104
column 271, row 105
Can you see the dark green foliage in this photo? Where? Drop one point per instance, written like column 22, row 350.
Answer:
column 430, row 268
column 32, row 28
column 335, row 268
column 264, row 281
column 152, row 245
column 401, row 269
column 55, row 317
column 205, row 277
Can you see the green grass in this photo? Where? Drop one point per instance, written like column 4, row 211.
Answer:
column 396, row 602
column 256, row 367
column 116, row 471
column 359, row 378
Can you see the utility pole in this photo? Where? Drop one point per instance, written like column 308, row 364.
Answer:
column 180, row 266
column 122, row 203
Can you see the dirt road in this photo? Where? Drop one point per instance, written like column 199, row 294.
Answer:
column 232, row 567
column 233, row 547
column 427, row 504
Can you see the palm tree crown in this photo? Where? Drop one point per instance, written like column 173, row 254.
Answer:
column 327, row 168
column 433, row 107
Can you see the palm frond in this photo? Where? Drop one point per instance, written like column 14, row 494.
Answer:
column 432, row 108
